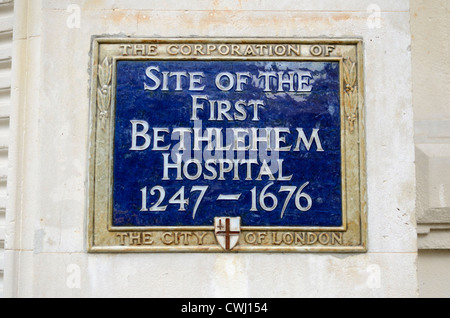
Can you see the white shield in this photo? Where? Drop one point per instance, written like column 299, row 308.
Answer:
column 227, row 231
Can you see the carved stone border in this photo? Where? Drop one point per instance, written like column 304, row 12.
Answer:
column 350, row 237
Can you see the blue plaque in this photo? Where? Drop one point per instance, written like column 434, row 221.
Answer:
column 292, row 108
column 202, row 145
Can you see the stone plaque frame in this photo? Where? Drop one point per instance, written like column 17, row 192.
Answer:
column 104, row 237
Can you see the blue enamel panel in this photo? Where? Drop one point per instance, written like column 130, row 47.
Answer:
column 136, row 173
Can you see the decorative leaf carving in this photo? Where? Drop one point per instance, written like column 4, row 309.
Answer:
column 350, row 92
column 104, row 73
column 104, row 90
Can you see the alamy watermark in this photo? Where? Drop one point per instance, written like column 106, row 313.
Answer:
column 74, row 19
column 73, row 280
column 374, row 19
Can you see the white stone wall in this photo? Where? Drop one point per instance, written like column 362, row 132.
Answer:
column 6, row 29
column 430, row 20
column 46, row 220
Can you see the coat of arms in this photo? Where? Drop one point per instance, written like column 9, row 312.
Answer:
column 227, row 231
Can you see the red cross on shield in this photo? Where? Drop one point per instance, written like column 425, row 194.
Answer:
column 227, row 231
